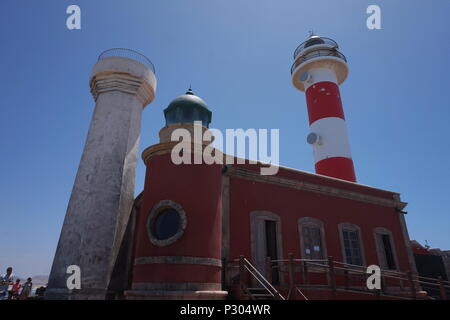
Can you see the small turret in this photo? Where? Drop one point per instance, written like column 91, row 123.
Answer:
column 188, row 108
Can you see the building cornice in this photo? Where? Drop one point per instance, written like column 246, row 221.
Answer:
column 122, row 82
column 233, row 171
column 316, row 188
column 167, row 147
column 158, row 149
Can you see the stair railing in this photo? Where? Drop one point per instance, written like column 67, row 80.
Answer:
column 244, row 264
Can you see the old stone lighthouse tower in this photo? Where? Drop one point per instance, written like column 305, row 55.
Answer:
column 122, row 83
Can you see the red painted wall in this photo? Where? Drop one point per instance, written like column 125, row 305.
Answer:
column 290, row 204
column 197, row 188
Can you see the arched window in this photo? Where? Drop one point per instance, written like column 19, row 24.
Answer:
column 312, row 238
column 351, row 244
column 386, row 253
column 265, row 232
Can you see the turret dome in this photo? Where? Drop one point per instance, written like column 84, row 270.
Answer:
column 188, row 108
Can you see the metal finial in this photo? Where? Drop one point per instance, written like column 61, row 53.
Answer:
column 311, row 33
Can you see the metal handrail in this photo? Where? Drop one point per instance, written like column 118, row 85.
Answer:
column 349, row 264
column 309, row 260
column 270, row 292
column 434, row 279
column 404, row 279
column 327, row 41
column 263, row 278
column 395, row 274
column 359, row 272
column 387, row 274
column 434, row 284
column 300, row 291
column 318, row 53
column 127, row 53
column 323, row 265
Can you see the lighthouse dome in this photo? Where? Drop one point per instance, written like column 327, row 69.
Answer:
column 188, row 108
column 313, row 40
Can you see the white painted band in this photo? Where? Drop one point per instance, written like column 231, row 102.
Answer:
column 333, row 139
column 320, row 75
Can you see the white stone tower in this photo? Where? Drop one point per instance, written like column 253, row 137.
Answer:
column 122, row 83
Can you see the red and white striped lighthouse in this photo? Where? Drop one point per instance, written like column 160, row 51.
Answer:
column 318, row 70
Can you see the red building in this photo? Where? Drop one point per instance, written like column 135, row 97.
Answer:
column 226, row 231
column 218, row 229
column 193, row 222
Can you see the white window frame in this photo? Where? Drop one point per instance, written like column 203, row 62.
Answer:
column 316, row 223
column 380, row 250
column 270, row 216
column 351, row 227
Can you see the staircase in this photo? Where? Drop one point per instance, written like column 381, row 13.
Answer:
column 259, row 294
column 266, row 292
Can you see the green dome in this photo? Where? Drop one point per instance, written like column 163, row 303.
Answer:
column 188, row 108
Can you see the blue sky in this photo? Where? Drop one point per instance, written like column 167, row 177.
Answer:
column 237, row 56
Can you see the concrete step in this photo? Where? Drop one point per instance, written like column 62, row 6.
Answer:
column 256, row 289
column 260, row 294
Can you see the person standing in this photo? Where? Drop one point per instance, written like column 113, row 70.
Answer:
column 27, row 286
column 5, row 281
column 15, row 290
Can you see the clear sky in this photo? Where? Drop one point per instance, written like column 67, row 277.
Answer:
column 237, row 56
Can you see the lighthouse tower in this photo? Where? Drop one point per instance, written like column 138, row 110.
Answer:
column 178, row 241
column 318, row 70
column 122, row 83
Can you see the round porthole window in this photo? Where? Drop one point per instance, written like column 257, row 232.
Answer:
column 166, row 223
